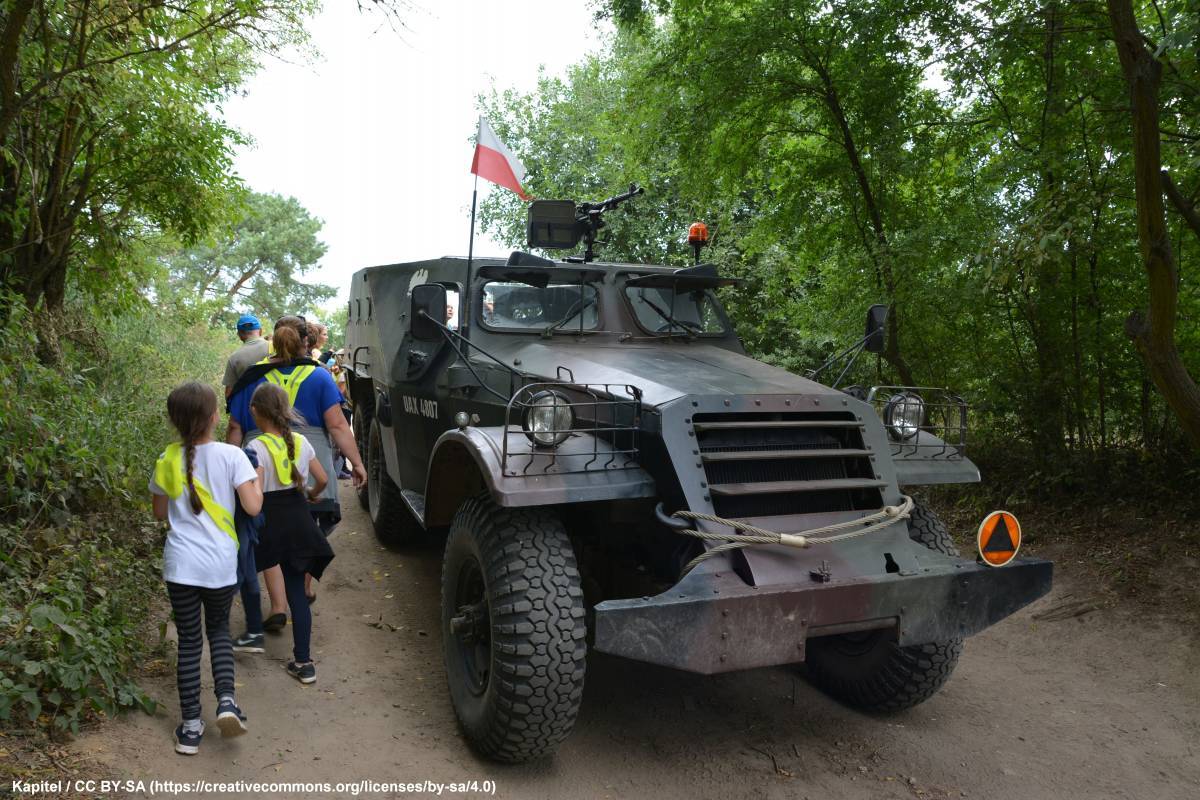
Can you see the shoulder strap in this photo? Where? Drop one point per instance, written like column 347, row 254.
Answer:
column 171, row 476
column 277, row 447
column 291, row 381
column 253, row 373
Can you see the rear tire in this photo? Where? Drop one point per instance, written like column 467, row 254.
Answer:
column 870, row 670
column 394, row 524
column 513, row 629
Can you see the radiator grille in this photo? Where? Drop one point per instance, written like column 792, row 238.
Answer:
column 761, row 465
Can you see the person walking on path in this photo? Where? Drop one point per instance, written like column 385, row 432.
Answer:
column 315, row 396
column 290, row 537
column 196, row 485
column 318, row 338
column 253, row 350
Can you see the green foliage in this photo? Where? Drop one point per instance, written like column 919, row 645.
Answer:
column 333, row 316
column 968, row 164
column 111, row 132
column 67, row 442
column 71, row 608
column 79, row 557
column 254, row 264
column 568, row 133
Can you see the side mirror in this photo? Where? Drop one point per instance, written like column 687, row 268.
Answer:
column 876, row 319
column 552, row 225
column 428, row 310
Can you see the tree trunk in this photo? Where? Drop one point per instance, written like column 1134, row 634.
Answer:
column 880, row 252
column 1153, row 332
column 10, row 44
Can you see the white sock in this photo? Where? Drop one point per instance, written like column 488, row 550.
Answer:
column 228, row 697
column 193, row 725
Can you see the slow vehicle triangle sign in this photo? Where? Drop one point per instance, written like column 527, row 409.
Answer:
column 999, row 538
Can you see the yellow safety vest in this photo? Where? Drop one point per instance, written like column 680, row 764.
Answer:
column 277, row 447
column 171, row 476
column 290, row 383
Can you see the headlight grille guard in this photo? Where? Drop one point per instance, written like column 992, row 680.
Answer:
column 943, row 430
column 611, row 413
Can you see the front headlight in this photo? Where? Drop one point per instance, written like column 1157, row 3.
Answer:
column 549, row 419
column 903, row 415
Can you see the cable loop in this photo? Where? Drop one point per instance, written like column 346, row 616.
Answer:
column 750, row 535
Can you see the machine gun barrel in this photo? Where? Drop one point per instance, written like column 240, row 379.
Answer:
column 610, row 203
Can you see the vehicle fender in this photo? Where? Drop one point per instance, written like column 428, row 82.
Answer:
column 915, row 471
column 467, row 461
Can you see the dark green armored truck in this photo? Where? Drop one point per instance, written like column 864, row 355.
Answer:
column 611, row 472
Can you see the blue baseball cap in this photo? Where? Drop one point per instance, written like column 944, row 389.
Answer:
column 248, row 322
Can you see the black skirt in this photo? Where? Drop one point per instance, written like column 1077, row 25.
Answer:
column 290, row 535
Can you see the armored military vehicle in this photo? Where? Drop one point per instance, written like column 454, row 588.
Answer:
column 611, row 472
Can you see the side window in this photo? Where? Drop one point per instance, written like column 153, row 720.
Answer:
column 452, row 308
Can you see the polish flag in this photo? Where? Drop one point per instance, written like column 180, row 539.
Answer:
column 494, row 162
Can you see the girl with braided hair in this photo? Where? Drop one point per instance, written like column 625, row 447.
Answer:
column 293, row 478
column 196, row 485
column 315, row 397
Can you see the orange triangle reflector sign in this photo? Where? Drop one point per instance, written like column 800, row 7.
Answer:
column 999, row 538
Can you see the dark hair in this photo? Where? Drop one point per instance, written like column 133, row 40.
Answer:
column 287, row 343
column 190, row 407
column 271, row 402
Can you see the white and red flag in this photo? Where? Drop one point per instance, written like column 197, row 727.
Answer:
column 496, row 163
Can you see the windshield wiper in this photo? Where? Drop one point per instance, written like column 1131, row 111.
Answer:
column 689, row 328
column 572, row 314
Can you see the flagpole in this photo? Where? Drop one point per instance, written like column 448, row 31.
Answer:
column 465, row 304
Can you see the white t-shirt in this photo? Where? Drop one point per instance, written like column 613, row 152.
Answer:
column 197, row 552
column 271, row 475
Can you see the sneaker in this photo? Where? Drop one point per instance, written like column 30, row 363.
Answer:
column 249, row 643
column 230, row 719
column 188, row 742
column 305, row 673
column 275, row 623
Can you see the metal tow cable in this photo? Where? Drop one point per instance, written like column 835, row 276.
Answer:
column 751, row 535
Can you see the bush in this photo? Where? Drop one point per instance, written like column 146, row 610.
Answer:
column 70, row 616
column 79, row 552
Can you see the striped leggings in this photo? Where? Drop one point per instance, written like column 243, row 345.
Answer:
column 186, row 602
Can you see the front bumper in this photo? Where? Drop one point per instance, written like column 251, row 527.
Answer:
column 714, row 622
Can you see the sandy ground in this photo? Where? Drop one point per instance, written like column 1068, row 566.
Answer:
column 1042, row 705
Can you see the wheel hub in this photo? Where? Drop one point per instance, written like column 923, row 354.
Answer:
column 471, row 623
column 471, row 627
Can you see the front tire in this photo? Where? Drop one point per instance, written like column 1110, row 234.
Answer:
column 513, row 629
column 394, row 524
column 869, row 670
column 360, row 439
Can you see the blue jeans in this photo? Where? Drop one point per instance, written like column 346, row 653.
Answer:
column 293, row 584
column 247, row 529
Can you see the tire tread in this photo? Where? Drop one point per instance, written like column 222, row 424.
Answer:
column 538, row 629
column 904, row 676
column 394, row 524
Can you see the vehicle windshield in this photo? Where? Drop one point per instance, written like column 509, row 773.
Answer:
column 519, row 306
column 663, row 310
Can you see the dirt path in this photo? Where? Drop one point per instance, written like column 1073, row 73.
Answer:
column 1089, row 706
